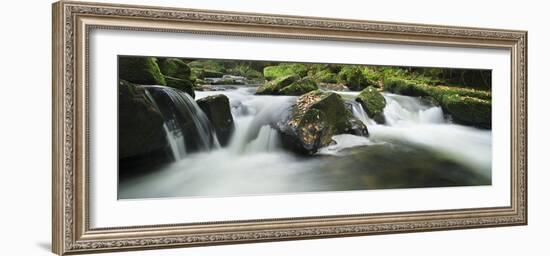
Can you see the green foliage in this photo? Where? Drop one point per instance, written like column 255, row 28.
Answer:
column 273, row 72
column 140, row 70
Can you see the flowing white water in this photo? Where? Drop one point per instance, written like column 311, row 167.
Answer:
column 182, row 114
column 255, row 163
column 412, row 120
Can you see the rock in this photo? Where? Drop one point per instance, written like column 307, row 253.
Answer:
column 468, row 110
column 285, row 69
column 299, row 87
column 175, row 68
column 206, row 73
column 373, row 103
column 141, row 137
column 140, row 70
column 181, row 84
column 405, row 87
column 333, row 87
column 218, row 111
column 353, row 78
column 273, row 87
column 314, row 119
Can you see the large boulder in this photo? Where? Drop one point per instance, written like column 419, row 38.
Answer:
column 218, row 111
column 299, row 87
column 181, row 84
column 140, row 70
column 352, row 76
column 175, row 68
column 273, row 87
column 314, row 119
column 468, row 110
column 287, row 85
column 285, row 69
column 373, row 103
column 141, row 137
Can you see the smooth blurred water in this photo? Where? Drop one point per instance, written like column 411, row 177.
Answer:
column 417, row 147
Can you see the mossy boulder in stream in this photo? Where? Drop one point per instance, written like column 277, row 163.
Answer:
column 140, row 70
column 465, row 105
column 314, row 119
column 181, row 84
column 468, row 110
column 288, row 85
column 373, row 103
column 353, row 78
column 174, row 67
column 273, row 87
column 218, row 111
column 141, row 140
column 299, row 87
column 285, row 69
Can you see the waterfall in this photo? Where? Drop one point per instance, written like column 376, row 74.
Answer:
column 182, row 116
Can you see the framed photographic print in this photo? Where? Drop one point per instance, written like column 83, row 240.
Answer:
column 179, row 127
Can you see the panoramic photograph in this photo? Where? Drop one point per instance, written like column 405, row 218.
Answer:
column 192, row 127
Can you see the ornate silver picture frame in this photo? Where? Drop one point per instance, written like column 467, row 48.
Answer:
column 74, row 21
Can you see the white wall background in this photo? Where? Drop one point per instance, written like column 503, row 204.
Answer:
column 25, row 114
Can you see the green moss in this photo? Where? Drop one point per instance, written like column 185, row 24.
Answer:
column 299, row 87
column 405, row 87
column 174, row 67
column 373, row 103
column 274, row 72
column 468, row 110
column 181, row 84
column 352, row 76
column 200, row 73
column 274, row 87
column 465, row 105
column 140, row 70
column 325, row 76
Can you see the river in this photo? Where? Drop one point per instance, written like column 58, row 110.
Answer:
column 416, row 147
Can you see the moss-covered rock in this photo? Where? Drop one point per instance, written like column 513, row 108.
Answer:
column 273, row 87
column 181, row 84
column 281, row 70
column 405, row 87
column 373, row 103
column 200, row 73
column 299, row 87
column 325, row 76
column 352, row 76
column 314, row 119
column 465, row 105
column 468, row 110
column 218, row 111
column 141, row 139
column 174, row 67
column 140, row 70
